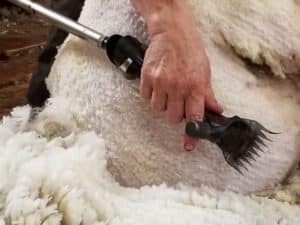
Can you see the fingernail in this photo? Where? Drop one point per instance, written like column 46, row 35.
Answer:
column 189, row 147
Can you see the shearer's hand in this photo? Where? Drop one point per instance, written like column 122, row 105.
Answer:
column 176, row 73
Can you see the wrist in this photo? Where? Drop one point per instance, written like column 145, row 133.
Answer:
column 165, row 15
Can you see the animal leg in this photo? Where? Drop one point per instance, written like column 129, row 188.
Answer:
column 38, row 92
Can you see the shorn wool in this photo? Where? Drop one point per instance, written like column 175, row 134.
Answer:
column 97, row 154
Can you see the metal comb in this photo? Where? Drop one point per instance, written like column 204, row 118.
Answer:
column 241, row 140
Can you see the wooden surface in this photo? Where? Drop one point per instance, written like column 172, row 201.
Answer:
column 20, row 39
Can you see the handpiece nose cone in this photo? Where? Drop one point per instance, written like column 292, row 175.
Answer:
column 198, row 129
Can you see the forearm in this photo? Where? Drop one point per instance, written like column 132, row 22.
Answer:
column 162, row 15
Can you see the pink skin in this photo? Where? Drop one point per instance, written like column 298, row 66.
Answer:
column 176, row 73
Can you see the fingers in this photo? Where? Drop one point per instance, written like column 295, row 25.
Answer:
column 211, row 102
column 175, row 107
column 189, row 143
column 151, row 88
column 194, row 107
column 146, row 86
column 159, row 100
column 194, row 110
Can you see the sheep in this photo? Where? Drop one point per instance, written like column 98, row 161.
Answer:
column 142, row 148
column 65, row 181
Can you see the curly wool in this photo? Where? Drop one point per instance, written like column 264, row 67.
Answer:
column 53, row 171
column 65, row 181
column 143, row 148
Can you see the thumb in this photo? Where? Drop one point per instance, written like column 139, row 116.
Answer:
column 211, row 102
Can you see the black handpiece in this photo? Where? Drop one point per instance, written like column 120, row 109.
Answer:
column 127, row 53
column 238, row 138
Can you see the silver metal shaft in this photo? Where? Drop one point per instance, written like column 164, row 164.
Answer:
column 62, row 22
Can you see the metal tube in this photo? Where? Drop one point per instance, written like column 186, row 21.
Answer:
column 62, row 22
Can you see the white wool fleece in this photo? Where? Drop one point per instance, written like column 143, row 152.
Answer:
column 65, row 181
column 142, row 148
column 264, row 31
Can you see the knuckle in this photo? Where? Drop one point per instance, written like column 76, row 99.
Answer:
column 158, row 80
column 197, row 90
column 146, row 72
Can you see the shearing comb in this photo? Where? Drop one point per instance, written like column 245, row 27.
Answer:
column 240, row 139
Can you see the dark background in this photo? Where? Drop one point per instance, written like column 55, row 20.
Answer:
column 21, row 39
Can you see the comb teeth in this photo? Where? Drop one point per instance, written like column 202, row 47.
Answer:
column 249, row 156
column 246, row 159
column 241, row 140
column 262, row 135
column 256, row 147
column 251, row 148
column 253, row 151
column 260, row 141
column 236, row 166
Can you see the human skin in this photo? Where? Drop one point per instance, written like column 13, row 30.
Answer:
column 176, row 72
